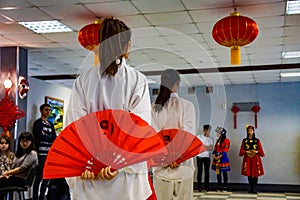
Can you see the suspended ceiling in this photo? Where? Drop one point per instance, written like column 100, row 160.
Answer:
column 166, row 34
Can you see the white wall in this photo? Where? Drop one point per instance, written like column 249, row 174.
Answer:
column 278, row 126
column 36, row 96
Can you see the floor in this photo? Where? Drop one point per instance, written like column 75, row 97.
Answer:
column 241, row 195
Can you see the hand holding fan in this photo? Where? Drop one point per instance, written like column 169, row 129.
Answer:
column 181, row 145
column 106, row 138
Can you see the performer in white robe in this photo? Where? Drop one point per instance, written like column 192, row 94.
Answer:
column 96, row 90
column 173, row 182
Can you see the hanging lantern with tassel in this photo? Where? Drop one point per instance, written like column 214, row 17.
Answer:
column 88, row 37
column 255, row 109
column 235, row 110
column 235, row 31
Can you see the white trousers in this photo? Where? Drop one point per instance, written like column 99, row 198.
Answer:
column 173, row 190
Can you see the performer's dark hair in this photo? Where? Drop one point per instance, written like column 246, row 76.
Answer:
column 168, row 79
column 114, row 38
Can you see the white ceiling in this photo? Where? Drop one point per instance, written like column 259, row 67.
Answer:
column 166, row 34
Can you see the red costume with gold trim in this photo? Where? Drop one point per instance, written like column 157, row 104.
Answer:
column 252, row 164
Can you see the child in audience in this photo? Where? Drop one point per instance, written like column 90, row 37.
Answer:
column 6, row 156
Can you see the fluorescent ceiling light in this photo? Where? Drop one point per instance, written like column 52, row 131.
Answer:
column 46, row 26
column 9, row 8
column 291, row 54
column 289, row 74
column 292, row 7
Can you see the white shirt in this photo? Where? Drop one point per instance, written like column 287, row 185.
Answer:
column 127, row 90
column 180, row 114
column 207, row 141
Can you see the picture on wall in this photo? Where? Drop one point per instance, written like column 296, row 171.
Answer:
column 57, row 112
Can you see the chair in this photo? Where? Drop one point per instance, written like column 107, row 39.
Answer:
column 9, row 191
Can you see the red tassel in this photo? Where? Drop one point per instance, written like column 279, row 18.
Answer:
column 234, row 121
column 235, row 109
column 255, row 109
column 255, row 120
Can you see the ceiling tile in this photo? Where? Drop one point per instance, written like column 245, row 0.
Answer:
column 52, row 2
column 68, row 11
column 26, row 15
column 62, row 37
column 116, row 8
column 169, row 18
column 292, row 40
column 154, row 6
column 270, row 22
column 292, row 20
column 183, row 28
column 135, row 21
column 292, row 31
column 262, row 10
column 28, row 38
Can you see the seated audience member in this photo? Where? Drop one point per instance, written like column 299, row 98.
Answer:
column 6, row 156
column 24, row 159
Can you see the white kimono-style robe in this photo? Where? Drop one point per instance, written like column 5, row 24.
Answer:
column 177, row 113
column 127, row 90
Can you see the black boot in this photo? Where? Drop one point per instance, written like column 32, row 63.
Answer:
column 254, row 181
column 250, row 180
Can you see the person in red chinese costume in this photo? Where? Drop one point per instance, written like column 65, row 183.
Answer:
column 221, row 161
column 252, row 150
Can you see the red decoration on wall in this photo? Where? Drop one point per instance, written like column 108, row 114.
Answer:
column 235, row 110
column 9, row 113
column 255, row 109
column 235, row 31
column 23, row 87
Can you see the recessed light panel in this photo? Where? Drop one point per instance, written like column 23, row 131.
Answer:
column 46, row 26
column 291, row 54
column 293, row 7
column 289, row 74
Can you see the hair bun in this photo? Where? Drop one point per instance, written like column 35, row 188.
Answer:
column 6, row 134
column 221, row 130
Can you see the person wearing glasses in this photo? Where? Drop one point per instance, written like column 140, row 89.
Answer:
column 25, row 157
column 44, row 135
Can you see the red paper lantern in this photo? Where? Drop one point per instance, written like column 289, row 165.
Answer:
column 88, row 37
column 255, row 109
column 235, row 110
column 235, row 31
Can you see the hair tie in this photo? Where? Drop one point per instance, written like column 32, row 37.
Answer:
column 118, row 61
column 6, row 134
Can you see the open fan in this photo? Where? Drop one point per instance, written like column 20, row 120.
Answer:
column 181, row 145
column 113, row 138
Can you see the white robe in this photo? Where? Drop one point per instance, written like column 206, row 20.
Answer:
column 127, row 90
column 176, row 113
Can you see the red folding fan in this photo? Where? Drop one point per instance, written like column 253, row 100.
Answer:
column 181, row 145
column 113, row 138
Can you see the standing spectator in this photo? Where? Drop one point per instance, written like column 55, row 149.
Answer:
column 172, row 112
column 203, row 159
column 252, row 150
column 23, row 161
column 6, row 156
column 112, row 85
column 44, row 135
column 221, row 162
